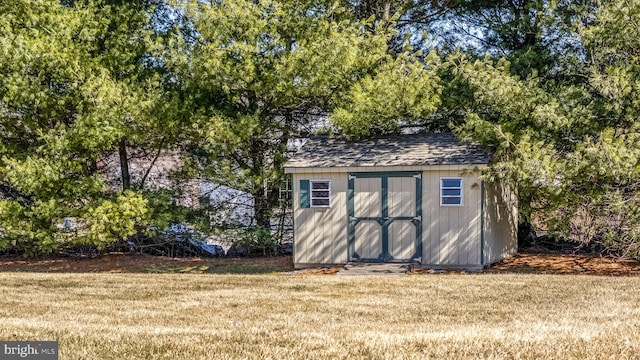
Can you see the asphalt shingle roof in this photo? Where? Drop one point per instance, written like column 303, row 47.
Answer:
column 400, row 150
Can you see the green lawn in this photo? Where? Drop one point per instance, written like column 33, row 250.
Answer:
column 186, row 316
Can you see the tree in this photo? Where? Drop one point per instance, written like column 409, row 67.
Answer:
column 254, row 75
column 535, row 36
column 403, row 92
column 571, row 149
column 73, row 90
column 528, row 129
column 610, row 194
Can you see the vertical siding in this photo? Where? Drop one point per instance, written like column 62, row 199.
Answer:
column 320, row 234
column 501, row 223
column 402, row 202
column 367, row 197
column 402, row 239
column 402, row 196
column 368, row 243
column 451, row 234
column 367, row 202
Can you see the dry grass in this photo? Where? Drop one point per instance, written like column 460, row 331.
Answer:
column 178, row 316
column 137, row 263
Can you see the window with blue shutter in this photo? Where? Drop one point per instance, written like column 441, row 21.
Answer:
column 315, row 193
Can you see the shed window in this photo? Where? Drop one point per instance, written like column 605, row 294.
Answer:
column 451, row 191
column 320, row 193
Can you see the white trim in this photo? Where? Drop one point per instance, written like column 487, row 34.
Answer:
column 444, row 188
column 311, row 181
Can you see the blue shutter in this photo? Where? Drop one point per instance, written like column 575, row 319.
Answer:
column 305, row 194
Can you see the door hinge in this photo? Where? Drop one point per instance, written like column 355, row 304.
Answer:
column 417, row 176
column 351, row 177
column 417, row 218
column 418, row 260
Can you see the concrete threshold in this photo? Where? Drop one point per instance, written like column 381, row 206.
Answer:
column 374, row 269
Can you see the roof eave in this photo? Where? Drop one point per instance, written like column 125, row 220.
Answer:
column 377, row 168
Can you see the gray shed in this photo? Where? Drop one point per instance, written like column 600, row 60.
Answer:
column 408, row 198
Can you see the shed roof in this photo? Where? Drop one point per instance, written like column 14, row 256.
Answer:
column 398, row 150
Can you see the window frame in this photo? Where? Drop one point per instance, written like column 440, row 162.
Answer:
column 461, row 188
column 311, row 190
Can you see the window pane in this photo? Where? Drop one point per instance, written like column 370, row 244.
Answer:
column 451, row 200
column 451, row 183
column 319, row 202
column 320, row 194
column 451, row 192
column 321, row 185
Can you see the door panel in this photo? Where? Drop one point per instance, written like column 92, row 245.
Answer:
column 402, row 196
column 402, row 239
column 368, row 244
column 368, row 197
column 384, row 212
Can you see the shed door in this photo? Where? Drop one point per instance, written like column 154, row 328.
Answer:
column 385, row 215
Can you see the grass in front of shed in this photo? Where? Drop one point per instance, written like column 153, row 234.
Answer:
column 178, row 316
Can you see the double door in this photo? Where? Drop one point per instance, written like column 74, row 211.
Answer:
column 385, row 217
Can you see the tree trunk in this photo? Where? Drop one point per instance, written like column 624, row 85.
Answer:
column 92, row 167
column 387, row 11
column 526, row 233
column 124, row 165
column 530, row 40
column 262, row 208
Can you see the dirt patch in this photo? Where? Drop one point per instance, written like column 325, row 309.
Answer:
column 319, row 271
column 549, row 263
column 526, row 262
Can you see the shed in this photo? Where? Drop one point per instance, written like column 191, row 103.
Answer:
column 407, row 198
